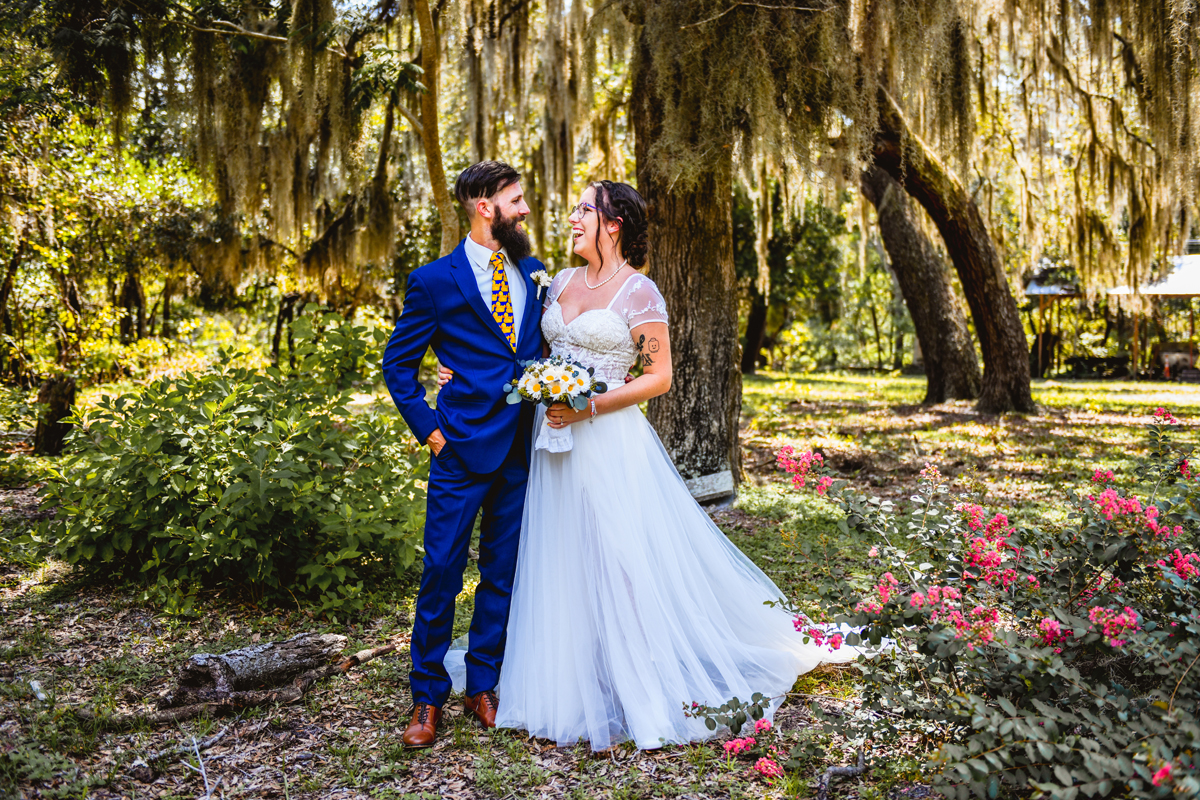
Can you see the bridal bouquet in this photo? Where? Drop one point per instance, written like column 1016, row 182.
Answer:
column 555, row 380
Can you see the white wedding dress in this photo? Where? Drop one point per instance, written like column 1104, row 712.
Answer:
column 628, row 601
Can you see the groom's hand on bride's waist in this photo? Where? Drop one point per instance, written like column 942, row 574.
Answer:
column 436, row 441
column 445, row 374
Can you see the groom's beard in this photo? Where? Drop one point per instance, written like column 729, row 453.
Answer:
column 514, row 240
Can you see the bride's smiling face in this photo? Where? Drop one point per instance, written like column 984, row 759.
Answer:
column 585, row 223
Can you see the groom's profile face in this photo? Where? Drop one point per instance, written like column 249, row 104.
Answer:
column 507, row 203
column 508, row 209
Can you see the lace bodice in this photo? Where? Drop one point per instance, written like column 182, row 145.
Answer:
column 602, row 337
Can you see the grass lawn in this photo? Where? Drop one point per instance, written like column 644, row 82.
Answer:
column 86, row 644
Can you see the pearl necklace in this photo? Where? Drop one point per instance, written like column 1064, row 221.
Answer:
column 620, row 267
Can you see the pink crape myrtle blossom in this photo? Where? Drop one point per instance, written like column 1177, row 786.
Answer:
column 821, row 638
column 977, row 626
column 799, row 466
column 973, row 514
column 987, row 546
column 1113, row 506
column 930, row 474
column 1164, row 417
column 886, row 586
column 884, row 589
column 1110, row 504
column 981, row 627
column 768, row 768
column 1185, row 566
column 735, row 746
column 873, row 552
column 1113, row 624
column 816, row 634
column 823, row 484
column 1162, row 776
column 1053, row 634
column 1185, row 469
column 1104, row 583
column 1102, row 476
column 762, row 726
column 1160, row 530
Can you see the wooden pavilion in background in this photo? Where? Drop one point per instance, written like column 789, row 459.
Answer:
column 1182, row 281
column 1050, row 286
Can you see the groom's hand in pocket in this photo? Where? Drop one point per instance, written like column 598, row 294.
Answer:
column 436, row 441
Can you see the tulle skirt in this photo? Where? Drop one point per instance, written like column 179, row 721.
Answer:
column 629, row 602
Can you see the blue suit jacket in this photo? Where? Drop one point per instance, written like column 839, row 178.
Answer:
column 443, row 309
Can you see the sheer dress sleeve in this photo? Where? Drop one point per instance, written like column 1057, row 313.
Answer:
column 556, row 287
column 642, row 303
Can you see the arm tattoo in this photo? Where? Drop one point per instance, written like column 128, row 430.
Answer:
column 651, row 347
column 641, row 348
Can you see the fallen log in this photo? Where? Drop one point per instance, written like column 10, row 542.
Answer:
column 832, row 772
column 209, row 677
column 214, row 700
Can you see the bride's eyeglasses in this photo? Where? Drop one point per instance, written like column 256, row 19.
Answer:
column 579, row 209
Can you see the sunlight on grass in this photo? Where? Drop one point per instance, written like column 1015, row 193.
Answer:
column 873, row 431
column 827, row 680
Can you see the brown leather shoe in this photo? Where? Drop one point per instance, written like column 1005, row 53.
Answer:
column 483, row 706
column 422, row 730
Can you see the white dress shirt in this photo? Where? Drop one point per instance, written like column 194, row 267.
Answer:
column 480, row 258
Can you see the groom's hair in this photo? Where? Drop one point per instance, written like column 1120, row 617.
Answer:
column 481, row 181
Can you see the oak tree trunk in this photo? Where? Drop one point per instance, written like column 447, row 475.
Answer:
column 133, row 301
column 10, row 360
column 969, row 245
column 57, row 396
column 691, row 260
column 951, row 368
column 168, row 286
column 430, row 139
column 756, row 331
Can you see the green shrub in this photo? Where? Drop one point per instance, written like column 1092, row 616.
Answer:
column 261, row 480
column 50, row 775
column 1059, row 663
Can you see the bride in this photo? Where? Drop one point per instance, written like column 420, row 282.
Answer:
column 628, row 602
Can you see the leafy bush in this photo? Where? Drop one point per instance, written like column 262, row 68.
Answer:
column 51, row 775
column 262, row 480
column 1062, row 662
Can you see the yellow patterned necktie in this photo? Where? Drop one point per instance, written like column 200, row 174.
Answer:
column 502, row 310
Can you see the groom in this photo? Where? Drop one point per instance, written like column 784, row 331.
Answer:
column 478, row 309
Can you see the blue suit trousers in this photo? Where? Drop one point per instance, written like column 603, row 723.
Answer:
column 456, row 497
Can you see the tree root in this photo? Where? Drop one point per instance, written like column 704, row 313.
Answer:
column 217, row 702
column 832, row 772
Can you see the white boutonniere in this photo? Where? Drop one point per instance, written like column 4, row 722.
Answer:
column 542, row 279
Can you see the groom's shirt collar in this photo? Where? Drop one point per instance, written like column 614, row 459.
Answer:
column 480, row 257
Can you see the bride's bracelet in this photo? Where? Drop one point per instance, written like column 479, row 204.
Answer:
column 593, row 417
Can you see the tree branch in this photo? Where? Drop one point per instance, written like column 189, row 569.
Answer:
column 1059, row 60
column 751, row 5
column 823, row 781
column 412, row 118
column 516, row 7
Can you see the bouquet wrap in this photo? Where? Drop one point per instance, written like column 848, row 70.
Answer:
column 547, row 381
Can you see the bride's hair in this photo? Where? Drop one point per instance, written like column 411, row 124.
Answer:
column 621, row 203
